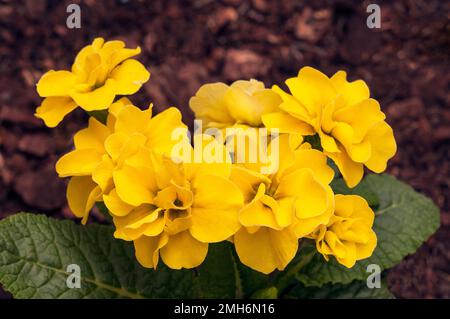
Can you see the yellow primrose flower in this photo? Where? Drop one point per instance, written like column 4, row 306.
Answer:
column 350, row 124
column 283, row 206
column 101, row 71
column 348, row 236
column 100, row 149
column 242, row 103
column 173, row 210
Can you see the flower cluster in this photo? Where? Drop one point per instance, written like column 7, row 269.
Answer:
column 172, row 205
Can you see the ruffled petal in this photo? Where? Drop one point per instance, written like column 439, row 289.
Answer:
column 161, row 129
column 266, row 250
column 115, row 205
column 312, row 88
column 56, row 83
column 93, row 136
column 183, row 251
column 208, row 104
column 361, row 117
column 78, row 163
column 98, row 99
column 54, row 109
column 351, row 171
column 135, row 185
column 129, row 77
column 82, row 193
column 211, row 191
column 384, row 147
column 351, row 92
column 147, row 250
column 103, row 173
column 247, row 181
column 286, row 123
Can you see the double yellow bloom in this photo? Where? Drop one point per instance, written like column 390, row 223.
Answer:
column 350, row 124
column 174, row 207
column 100, row 71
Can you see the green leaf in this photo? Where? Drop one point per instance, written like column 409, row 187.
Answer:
column 362, row 189
column 403, row 221
column 217, row 272
column 266, row 293
column 104, row 211
column 248, row 280
column 35, row 252
column 354, row 290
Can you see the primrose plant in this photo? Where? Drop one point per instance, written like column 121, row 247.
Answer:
column 266, row 199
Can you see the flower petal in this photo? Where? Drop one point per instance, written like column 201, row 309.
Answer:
column 93, row 136
column 312, row 88
column 102, row 174
column 208, row 104
column 314, row 160
column 78, row 163
column 361, row 117
column 123, row 54
column 215, row 209
column 130, row 119
column 247, row 181
column 266, row 249
column 56, row 83
column 129, row 77
column 383, row 145
column 286, row 123
column 292, row 106
column 147, row 249
column 98, row 99
column 211, row 225
column 351, row 92
column 366, row 250
column 183, row 251
column 54, row 109
column 82, row 193
column 115, row 205
column 135, row 185
column 161, row 128
column 350, row 170
column 211, row 191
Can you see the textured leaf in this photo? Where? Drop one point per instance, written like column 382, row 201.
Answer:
column 35, row 252
column 404, row 220
column 354, row 290
column 217, row 275
column 248, row 280
column 266, row 293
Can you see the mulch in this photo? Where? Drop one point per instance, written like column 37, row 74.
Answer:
column 188, row 43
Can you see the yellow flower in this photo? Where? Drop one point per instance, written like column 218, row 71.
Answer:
column 100, row 149
column 350, row 124
column 242, row 103
column 283, row 206
column 101, row 71
column 349, row 235
column 173, row 210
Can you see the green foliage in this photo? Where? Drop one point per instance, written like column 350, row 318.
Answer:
column 35, row 252
column 354, row 290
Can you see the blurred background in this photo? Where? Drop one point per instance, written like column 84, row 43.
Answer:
column 406, row 64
